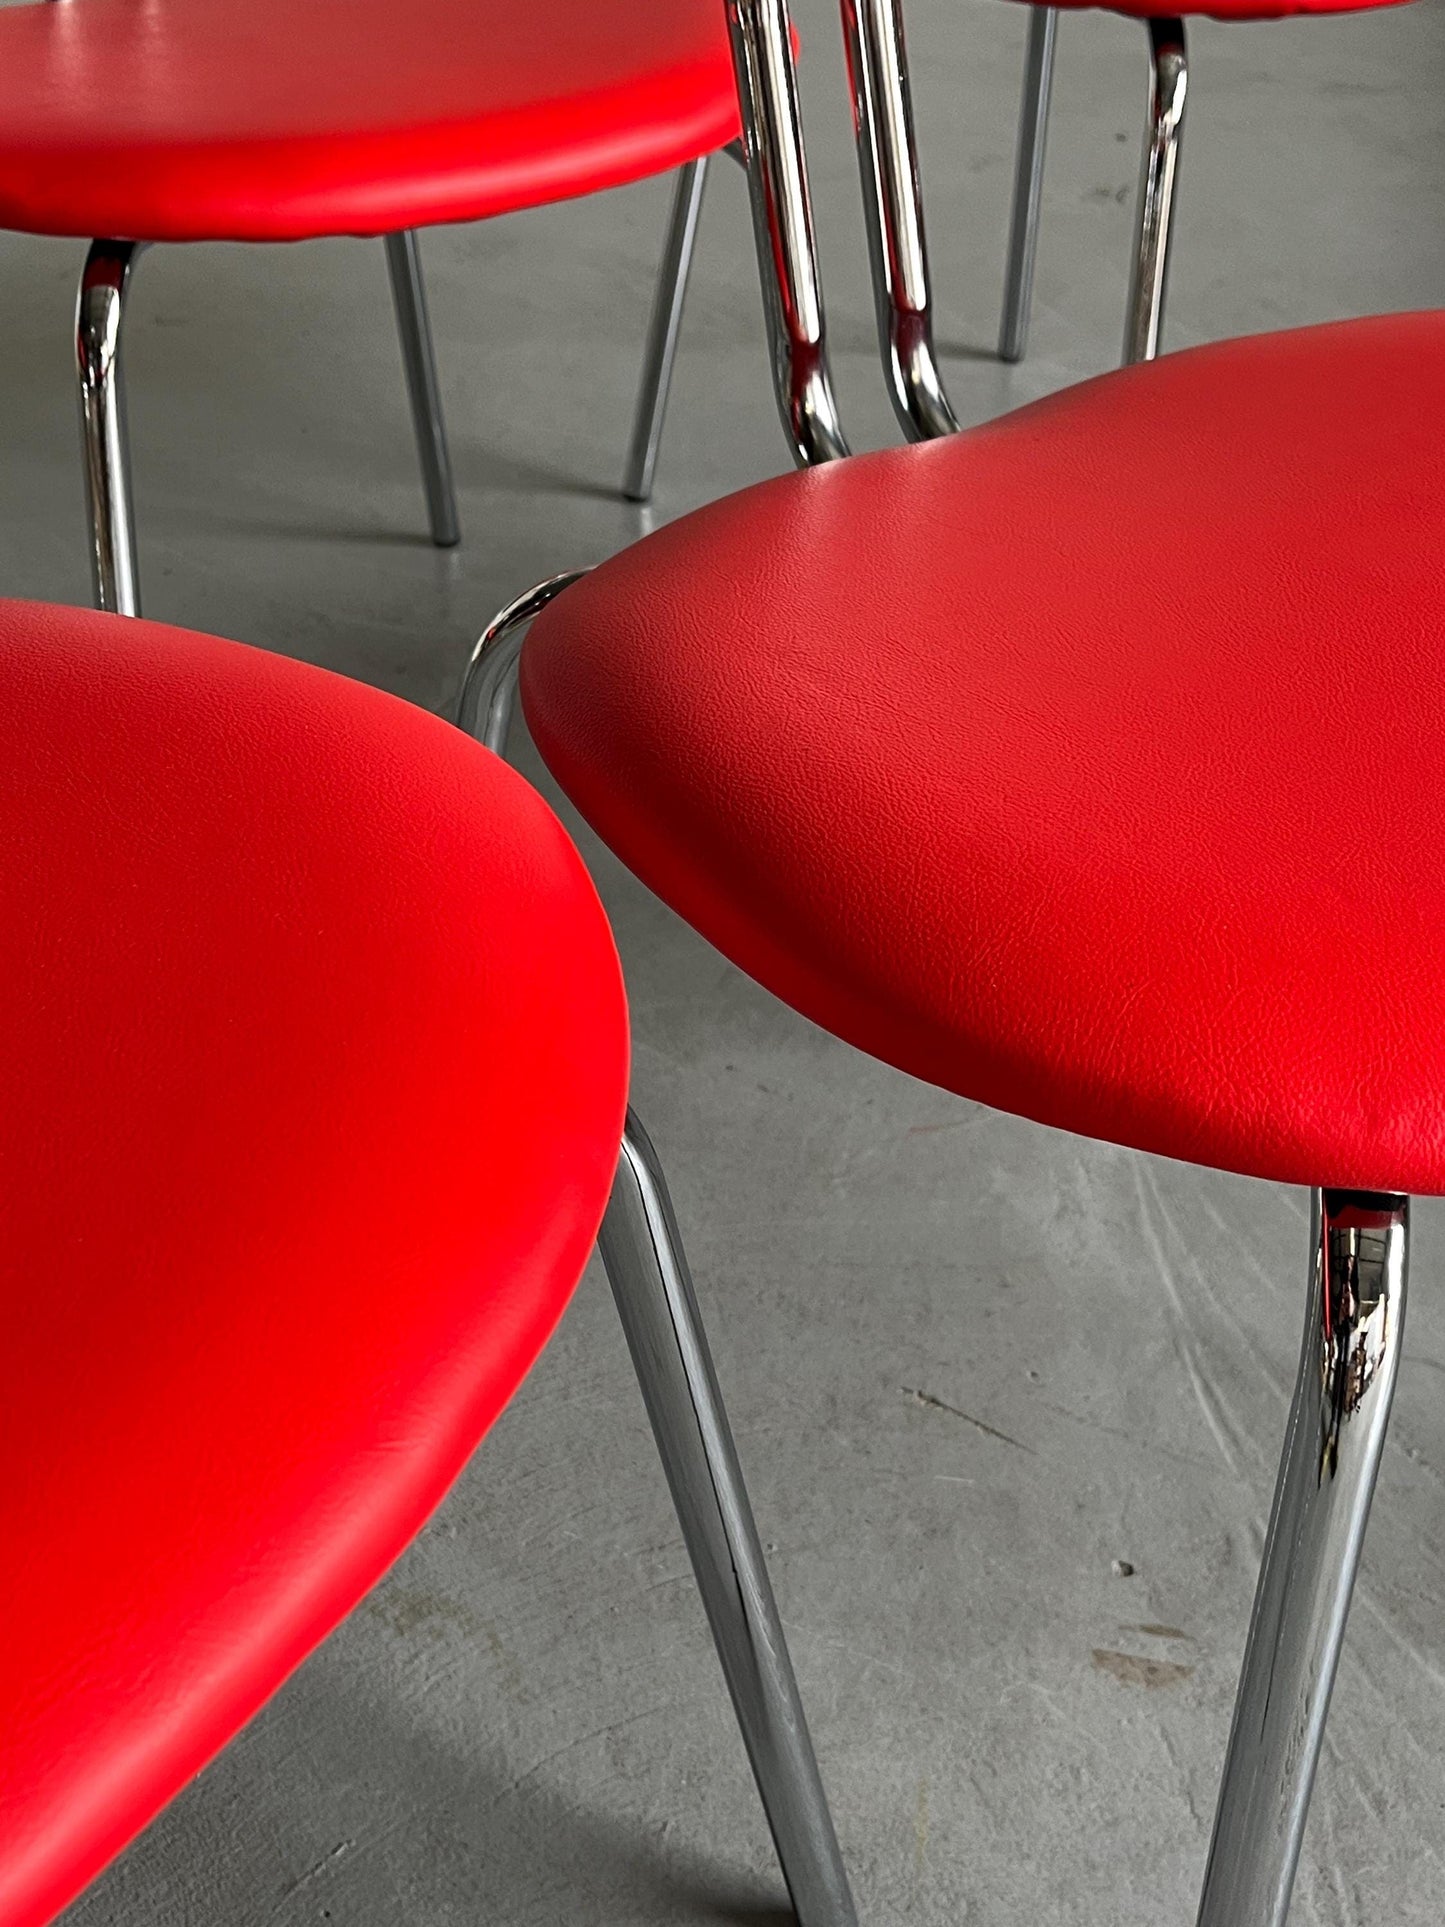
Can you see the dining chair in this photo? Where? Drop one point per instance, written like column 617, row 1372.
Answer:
column 314, row 1083
column 132, row 122
column 287, row 1213
column 1132, row 831
column 888, row 159
column 1154, row 212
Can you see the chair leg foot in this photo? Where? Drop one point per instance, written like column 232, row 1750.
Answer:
column 663, row 330
column 648, row 1271
column 488, row 693
column 100, row 311
column 1168, row 86
column 1347, row 1372
column 1023, row 238
column 418, row 354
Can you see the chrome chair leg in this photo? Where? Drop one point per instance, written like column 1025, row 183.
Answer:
column 105, row 446
column 893, row 208
column 489, row 687
column 663, row 330
column 767, row 82
column 1023, row 237
column 648, row 1271
column 408, row 293
column 1168, row 85
column 1348, row 1364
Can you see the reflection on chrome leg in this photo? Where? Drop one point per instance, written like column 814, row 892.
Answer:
column 1023, row 237
column 1168, row 86
column 660, row 354
column 105, row 447
column 1348, row 1364
column 648, row 1271
column 408, row 293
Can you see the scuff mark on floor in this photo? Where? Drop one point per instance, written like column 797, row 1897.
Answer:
column 314, row 1872
column 989, row 1431
column 1130, row 1670
column 1090, row 1424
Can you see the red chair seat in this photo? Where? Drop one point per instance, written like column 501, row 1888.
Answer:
column 311, row 1093
column 1091, row 764
column 193, row 120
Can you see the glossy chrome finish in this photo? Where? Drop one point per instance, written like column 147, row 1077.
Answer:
column 489, row 687
column 1168, row 86
column 408, row 293
column 1023, row 237
column 105, row 446
column 893, row 211
column 783, row 227
column 663, row 330
column 648, row 1271
column 1336, row 1434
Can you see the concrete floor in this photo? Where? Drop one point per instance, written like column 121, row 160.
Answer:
column 525, row 1724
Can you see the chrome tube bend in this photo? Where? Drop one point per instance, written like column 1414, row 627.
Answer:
column 489, row 684
column 767, row 81
column 893, row 211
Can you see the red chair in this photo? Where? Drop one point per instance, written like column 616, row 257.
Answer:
column 1127, row 825
column 314, row 1080
column 888, row 159
column 1168, row 85
column 139, row 121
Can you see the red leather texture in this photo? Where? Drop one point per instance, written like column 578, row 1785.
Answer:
column 193, row 120
column 1225, row 9
column 1090, row 763
column 311, row 1090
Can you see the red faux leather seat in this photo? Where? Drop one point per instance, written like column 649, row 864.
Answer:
column 310, row 1099
column 192, row 120
column 1090, row 763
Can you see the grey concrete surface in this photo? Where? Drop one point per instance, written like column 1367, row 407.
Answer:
column 971, row 1364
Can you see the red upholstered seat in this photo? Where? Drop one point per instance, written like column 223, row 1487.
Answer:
column 311, row 1090
column 175, row 120
column 1091, row 763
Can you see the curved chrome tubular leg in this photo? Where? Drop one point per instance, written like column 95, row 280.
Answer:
column 105, row 446
column 647, row 1268
column 1023, row 237
column 489, row 687
column 413, row 324
column 783, row 227
column 893, row 208
column 1168, row 85
column 663, row 330
column 1348, row 1365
